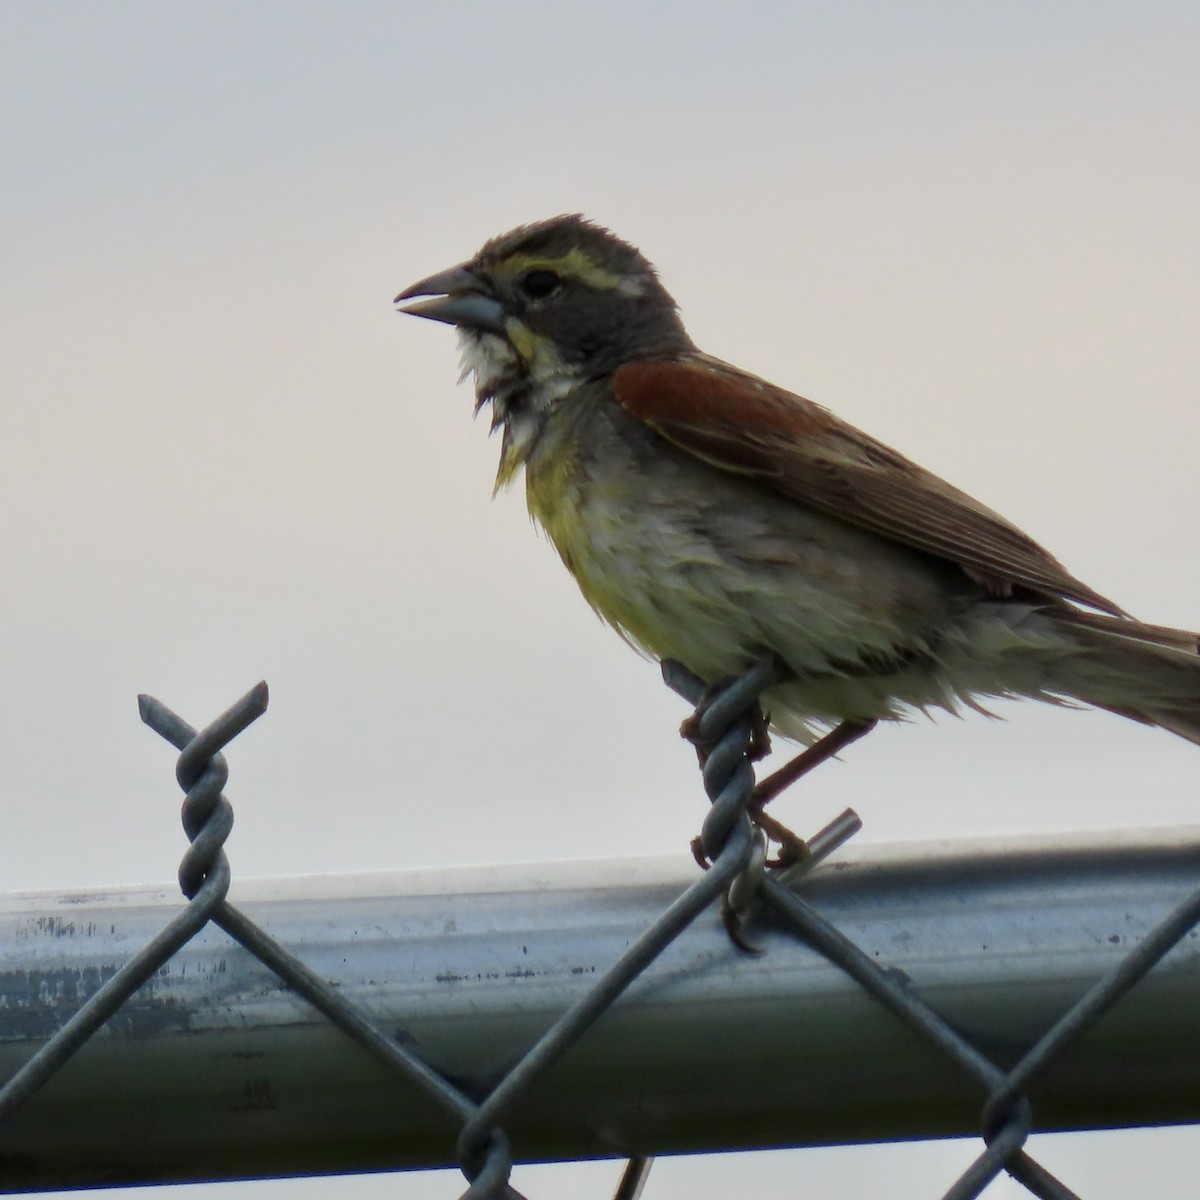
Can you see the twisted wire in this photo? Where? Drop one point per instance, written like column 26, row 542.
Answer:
column 724, row 728
column 204, row 866
column 577, row 1019
column 207, row 818
column 1004, row 1151
column 722, row 731
column 725, row 725
column 202, row 774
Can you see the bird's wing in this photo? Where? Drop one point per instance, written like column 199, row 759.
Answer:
column 742, row 424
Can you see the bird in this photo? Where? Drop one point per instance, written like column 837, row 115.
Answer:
column 711, row 517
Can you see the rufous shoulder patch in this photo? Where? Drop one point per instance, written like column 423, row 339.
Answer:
column 668, row 393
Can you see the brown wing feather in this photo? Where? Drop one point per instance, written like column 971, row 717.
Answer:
column 742, row 424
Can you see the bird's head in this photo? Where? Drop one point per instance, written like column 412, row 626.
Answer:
column 543, row 309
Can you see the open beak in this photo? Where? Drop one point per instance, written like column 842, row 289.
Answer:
column 459, row 297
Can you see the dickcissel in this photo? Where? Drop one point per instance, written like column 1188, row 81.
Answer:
column 712, row 517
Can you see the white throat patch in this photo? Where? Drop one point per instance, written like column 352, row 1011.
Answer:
column 521, row 391
column 507, row 379
column 490, row 359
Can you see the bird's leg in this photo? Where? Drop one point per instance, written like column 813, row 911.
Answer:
column 836, row 740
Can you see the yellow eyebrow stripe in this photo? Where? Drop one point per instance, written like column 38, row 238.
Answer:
column 572, row 265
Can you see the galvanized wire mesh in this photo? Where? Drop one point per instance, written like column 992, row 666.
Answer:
column 726, row 730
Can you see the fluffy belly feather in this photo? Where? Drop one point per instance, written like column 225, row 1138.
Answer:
column 696, row 565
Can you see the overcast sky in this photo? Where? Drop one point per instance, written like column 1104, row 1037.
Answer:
column 970, row 229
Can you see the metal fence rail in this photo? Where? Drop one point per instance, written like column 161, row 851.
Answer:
column 223, row 1072
column 995, row 961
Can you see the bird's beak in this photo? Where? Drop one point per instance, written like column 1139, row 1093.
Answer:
column 460, row 297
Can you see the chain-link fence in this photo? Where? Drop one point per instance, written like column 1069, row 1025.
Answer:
column 727, row 733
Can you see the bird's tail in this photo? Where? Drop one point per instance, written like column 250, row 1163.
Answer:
column 1146, row 672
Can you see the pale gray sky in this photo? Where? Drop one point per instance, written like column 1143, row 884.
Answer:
column 969, row 229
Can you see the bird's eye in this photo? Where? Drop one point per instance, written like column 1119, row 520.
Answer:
column 538, row 283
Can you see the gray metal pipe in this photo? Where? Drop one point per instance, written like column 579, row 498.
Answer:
column 215, row 1071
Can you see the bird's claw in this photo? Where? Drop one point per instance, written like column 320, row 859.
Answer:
column 689, row 728
column 732, row 920
column 759, row 745
column 792, row 849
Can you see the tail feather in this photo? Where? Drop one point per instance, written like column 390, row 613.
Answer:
column 1148, row 673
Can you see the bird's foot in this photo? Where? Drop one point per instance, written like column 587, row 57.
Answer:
column 792, row 848
column 689, row 728
column 735, row 922
column 758, row 745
